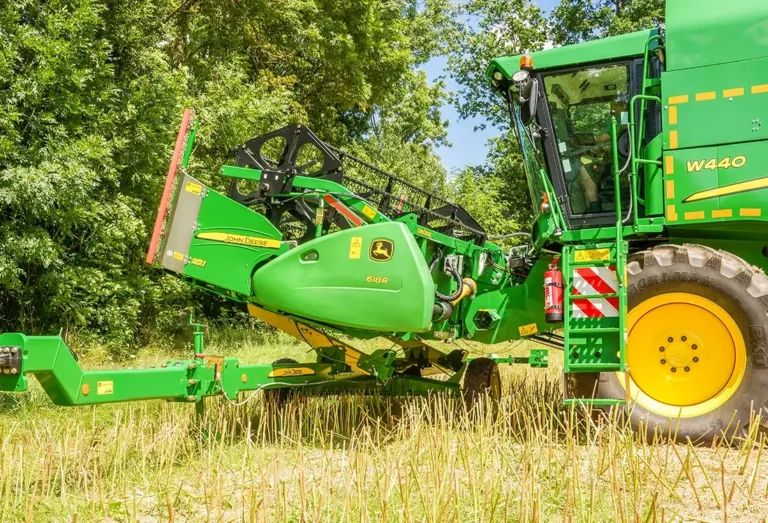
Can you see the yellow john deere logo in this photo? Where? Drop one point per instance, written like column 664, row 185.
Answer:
column 381, row 250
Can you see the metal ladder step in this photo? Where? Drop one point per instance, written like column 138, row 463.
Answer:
column 594, row 367
column 594, row 330
column 593, row 296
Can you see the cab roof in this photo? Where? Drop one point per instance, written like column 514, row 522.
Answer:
column 612, row 48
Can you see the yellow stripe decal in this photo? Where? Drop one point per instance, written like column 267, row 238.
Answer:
column 694, row 215
column 238, row 239
column 671, row 214
column 673, row 115
column 722, row 213
column 670, row 189
column 703, row 97
column 759, row 89
column 674, row 100
column 728, row 93
column 673, row 139
column 670, row 165
column 751, row 212
column 752, row 185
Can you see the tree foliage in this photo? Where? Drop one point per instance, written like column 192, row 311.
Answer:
column 91, row 92
column 575, row 21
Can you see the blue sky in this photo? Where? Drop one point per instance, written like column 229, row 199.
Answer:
column 469, row 147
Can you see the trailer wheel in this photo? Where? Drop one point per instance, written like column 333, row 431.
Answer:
column 482, row 380
column 279, row 397
column 697, row 346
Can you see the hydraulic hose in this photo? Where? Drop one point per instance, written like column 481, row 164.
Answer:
column 456, row 276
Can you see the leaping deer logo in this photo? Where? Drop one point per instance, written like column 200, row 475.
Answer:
column 381, row 250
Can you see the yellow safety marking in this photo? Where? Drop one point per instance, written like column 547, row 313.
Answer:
column 305, row 333
column 291, row 372
column 729, row 93
column 722, row 213
column 670, row 165
column 105, row 388
column 750, row 212
column 673, row 139
column 194, row 188
column 369, row 212
column 283, row 323
column 694, row 215
column 239, row 239
column 675, row 100
column 673, row 115
column 760, row 183
column 671, row 214
column 423, row 232
column 178, row 256
column 527, row 330
column 198, row 262
column 703, row 97
column 592, row 255
column 759, row 89
column 670, row 189
column 355, row 247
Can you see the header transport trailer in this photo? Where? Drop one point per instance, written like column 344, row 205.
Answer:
column 645, row 155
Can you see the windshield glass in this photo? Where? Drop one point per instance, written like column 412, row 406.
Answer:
column 531, row 157
column 581, row 104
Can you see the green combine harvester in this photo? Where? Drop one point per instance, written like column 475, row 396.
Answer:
column 646, row 159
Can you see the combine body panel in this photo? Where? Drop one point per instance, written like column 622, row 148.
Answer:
column 644, row 154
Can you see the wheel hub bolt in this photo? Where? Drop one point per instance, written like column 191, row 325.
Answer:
column 684, row 338
column 661, row 349
column 674, row 369
column 663, row 362
column 695, row 360
column 687, row 369
column 694, row 346
column 670, row 339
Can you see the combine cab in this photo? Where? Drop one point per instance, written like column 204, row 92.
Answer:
column 644, row 154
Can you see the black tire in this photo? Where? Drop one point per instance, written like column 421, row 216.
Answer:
column 279, row 397
column 738, row 288
column 481, row 380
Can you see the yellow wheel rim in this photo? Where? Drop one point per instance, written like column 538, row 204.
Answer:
column 686, row 355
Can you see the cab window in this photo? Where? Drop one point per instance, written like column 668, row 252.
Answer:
column 581, row 104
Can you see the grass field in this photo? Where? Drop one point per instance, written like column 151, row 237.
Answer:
column 353, row 459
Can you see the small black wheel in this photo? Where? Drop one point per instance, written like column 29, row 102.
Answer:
column 279, row 397
column 482, row 380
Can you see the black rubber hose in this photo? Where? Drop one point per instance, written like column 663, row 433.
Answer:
column 456, row 276
column 450, row 298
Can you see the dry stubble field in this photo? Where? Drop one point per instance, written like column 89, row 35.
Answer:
column 353, row 459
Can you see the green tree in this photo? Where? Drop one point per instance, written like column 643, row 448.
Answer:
column 484, row 30
column 575, row 21
column 91, row 92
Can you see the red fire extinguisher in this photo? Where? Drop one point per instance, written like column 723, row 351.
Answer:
column 553, row 293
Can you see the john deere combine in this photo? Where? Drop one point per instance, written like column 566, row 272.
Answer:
column 645, row 158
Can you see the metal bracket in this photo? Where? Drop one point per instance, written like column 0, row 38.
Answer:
column 10, row 360
column 453, row 261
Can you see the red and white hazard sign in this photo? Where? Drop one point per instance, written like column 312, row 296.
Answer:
column 595, row 280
